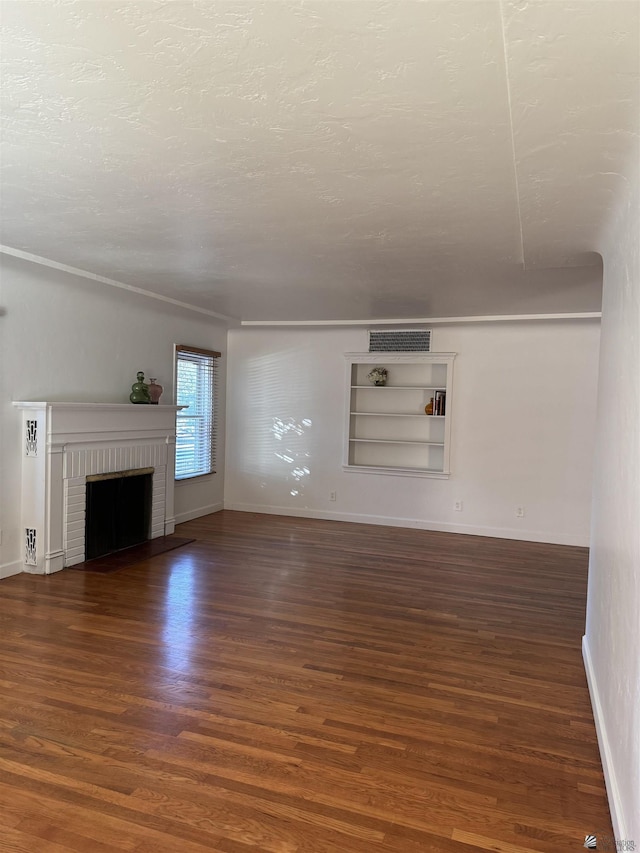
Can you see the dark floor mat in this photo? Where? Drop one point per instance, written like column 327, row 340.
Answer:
column 130, row 556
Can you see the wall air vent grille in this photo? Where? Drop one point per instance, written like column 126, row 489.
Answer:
column 30, row 551
column 31, row 438
column 400, row 340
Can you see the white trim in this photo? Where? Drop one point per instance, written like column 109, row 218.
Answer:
column 396, row 472
column 613, row 791
column 7, row 570
column 112, row 282
column 236, row 321
column 53, row 562
column 496, row 318
column 84, row 407
column 188, row 481
column 416, row 523
column 190, row 514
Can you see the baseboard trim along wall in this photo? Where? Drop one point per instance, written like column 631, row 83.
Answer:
column 420, row 524
column 613, row 792
column 197, row 513
column 9, row 569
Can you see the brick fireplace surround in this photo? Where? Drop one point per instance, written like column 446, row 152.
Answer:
column 63, row 444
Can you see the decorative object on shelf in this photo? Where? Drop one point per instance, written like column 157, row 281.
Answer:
column 428, row 409
column 378, row 376
column 440, row 404
column 140, row 390
column 155, row 392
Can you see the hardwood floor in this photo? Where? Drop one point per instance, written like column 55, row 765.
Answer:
column 301, row 686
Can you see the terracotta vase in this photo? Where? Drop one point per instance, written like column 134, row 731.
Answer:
column 155, row 392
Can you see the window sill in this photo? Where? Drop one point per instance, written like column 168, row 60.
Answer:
column 199, row 478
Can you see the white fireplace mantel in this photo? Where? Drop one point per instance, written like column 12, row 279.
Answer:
column 62, row 445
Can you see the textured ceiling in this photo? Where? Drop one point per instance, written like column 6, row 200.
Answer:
column 322, row 160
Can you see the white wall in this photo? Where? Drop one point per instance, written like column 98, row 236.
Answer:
column 66, row 338
column 612, row 640
column 523, row 414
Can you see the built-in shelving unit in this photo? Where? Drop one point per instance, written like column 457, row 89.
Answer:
column 387, row 429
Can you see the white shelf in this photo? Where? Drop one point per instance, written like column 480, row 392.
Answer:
column 398, row 441
column 433, row 473
column 400, row 387
column 394, row 415
column 390, row 433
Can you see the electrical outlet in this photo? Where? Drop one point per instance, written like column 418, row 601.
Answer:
column 519, row 512
column 332, row 496
column 458, row 506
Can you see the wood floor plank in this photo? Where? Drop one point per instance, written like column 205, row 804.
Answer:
column 285, row 685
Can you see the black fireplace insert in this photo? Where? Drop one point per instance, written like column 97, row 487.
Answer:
column 118, row 513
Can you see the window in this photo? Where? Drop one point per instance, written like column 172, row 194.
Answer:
column 195, row 425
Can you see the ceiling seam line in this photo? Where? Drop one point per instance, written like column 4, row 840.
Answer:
column 513, row 142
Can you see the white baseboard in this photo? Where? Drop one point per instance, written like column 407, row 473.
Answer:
column 420, row 524
column 9, row 569
column 613, row 792
column 197, row 513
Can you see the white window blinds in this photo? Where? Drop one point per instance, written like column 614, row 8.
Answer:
column 196, row 424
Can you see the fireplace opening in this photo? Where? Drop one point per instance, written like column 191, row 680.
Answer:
column 118, row 511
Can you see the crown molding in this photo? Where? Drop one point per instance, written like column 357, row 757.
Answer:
column 112, row 282
column 431, row 321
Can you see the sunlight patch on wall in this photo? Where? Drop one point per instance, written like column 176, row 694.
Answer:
column 277, row 432
column 288, row 432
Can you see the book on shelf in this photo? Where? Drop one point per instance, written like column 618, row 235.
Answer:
column 440, row 403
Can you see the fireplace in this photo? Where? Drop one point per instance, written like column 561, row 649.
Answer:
column 66, row 448
column 118, row 511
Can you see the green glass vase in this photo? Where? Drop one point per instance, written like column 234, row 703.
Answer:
column 140, row 390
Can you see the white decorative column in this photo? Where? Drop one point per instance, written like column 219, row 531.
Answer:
column 63, row 444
